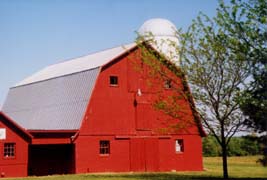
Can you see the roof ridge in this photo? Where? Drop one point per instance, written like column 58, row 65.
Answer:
column 94, row 52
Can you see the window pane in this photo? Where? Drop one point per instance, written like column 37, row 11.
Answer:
column 113, row 80
column 167, row 84
column 9, row 150
column 179, row 145
column 104, row 147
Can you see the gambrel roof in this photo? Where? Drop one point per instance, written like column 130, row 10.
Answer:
column 56, row 97
column 76, row 65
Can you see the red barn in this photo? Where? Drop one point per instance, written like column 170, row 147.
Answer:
column 95, row 114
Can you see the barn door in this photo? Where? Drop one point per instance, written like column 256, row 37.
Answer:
column 152, row 154
column 137, row 155
column 144, row 154
column 51, row 159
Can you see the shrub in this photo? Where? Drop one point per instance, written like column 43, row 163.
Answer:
column 238, row 146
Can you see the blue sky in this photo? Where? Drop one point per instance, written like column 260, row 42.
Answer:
column 37, row 33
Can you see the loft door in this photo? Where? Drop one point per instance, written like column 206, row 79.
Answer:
column 144, row 116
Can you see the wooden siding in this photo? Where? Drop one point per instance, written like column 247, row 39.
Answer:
column 16, row 166
column 119, row 111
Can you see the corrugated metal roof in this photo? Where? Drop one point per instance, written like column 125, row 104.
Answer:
column 54, row 104
column 77, row 65
column 56, row 97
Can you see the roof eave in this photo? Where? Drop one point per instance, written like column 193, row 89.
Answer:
column 15, row 125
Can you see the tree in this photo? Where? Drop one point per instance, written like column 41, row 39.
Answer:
column 217, row 72
column 218, row 66
column 210, row 147
column 246, row 22
column 238, row 146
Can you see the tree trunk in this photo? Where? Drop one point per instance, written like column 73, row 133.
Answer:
column 224, row 158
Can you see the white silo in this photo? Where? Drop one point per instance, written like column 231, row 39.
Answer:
column 161, row 34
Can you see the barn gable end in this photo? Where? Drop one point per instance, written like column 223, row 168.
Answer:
column 120, row 130
column 14, row 142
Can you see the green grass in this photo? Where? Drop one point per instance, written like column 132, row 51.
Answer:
column 241, row 168
column 238, row 167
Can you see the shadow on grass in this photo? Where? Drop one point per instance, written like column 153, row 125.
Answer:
column 165, row 177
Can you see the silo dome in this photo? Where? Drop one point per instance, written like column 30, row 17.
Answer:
column 158, row 27
column 162, row 35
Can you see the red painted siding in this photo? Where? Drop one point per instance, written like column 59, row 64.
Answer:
column 111, row 109
column 16, row 166
column 89, row 159
column 144, row 116
column 138, row 154
column 120, row 111
column 189, row 160
column 144, row 154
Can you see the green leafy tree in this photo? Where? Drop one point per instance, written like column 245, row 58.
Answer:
column 216, row 62
column 221, row 56
column 246, row 22
column 217, row 72
column 238, row 146
column 251, row 145
column 211, row 148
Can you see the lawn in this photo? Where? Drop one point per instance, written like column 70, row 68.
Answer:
column 239, row 168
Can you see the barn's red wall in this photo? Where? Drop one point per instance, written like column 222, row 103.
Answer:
column 17, row 166
column 119, row 111
column 88, row 158
column 138, row 154
column 189, row 160
column 111, row 109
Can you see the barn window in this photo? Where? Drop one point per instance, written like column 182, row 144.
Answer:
column 104, row 147
column 9, row 150
column 113, row 80
column 168, row 84
column 179, row 145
